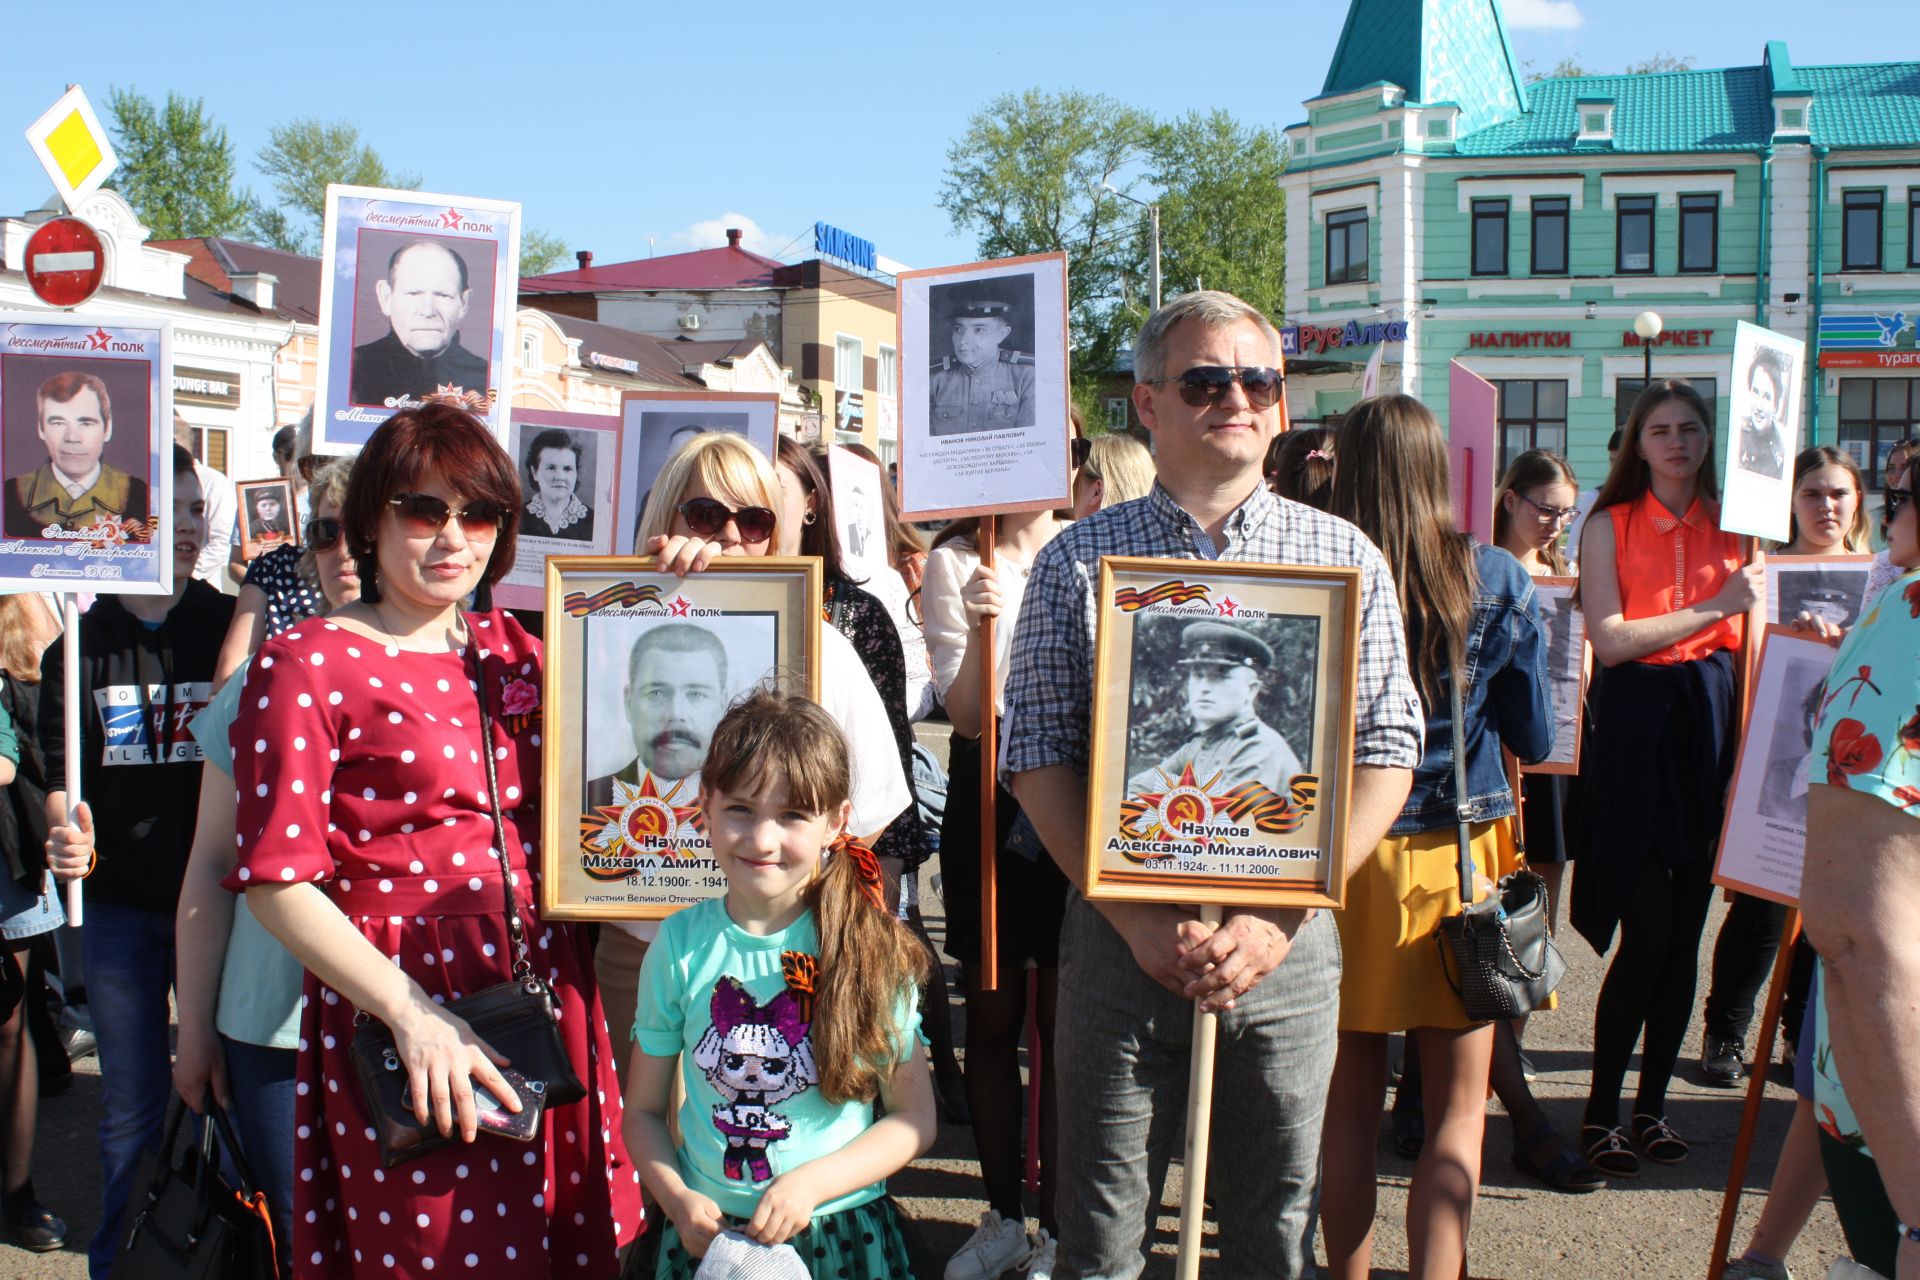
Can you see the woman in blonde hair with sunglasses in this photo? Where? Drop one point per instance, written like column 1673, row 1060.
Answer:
column 718, row 496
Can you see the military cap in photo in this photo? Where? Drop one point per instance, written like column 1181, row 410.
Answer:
column 1214, row 644
column 984, row 303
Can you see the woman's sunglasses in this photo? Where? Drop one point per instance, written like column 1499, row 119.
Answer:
column 323, row 534
column 1082, row 450
column 1206, row 385
column 708, row 516
column 422, row 515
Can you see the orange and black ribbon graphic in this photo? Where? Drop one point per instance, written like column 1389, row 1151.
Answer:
column 802, row 975
column 1274, row 814
column 1172, row 591
column 622, row 595
column 866, row 870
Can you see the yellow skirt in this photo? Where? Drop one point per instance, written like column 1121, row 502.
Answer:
column 1392, row 978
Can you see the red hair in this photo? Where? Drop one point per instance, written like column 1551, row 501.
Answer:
column 62, row 387
column 415, row 446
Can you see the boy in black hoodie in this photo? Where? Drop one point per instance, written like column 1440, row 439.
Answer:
column 147, row 668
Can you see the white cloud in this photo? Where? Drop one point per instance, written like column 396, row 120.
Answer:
column 1544, row 15
column 711, row 233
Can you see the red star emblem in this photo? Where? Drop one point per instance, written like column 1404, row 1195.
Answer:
column 451, row 218
column 680, row 606
column 1227, row 606
column 99, row 338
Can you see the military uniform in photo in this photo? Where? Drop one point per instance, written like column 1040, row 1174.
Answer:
column 993, row 394
column 385, row 369
column 42, row 498
column 1242, row 748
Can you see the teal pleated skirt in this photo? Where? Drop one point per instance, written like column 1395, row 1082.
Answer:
column 861, row 1243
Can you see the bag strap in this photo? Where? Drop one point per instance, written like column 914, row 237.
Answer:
column 516, row 930
column 1462, row 837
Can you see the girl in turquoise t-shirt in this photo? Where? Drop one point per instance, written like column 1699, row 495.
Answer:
column 790, row 1005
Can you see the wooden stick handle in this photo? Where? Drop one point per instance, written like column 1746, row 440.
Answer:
column 70, row 637
column 989, row 784
column 1193, row 1198
column 1756, row 1092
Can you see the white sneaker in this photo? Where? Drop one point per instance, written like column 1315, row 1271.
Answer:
column 995, row 1245
column 1039, row 1263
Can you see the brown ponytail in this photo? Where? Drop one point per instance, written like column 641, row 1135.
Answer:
column 869, row 963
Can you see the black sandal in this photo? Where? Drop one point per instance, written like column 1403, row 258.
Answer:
column 1657, row 1140
column 1562, row 1168
column 1409, row 1125
column 1609, row 1152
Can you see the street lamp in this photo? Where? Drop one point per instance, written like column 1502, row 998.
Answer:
column 1648, row 325
column 1153, row 224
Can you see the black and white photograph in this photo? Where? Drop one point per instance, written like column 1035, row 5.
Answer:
column 655, row 423
column 417, row 298
column 1222, row 718
column 859, row 510
column 266, row 515
column 1831, row 588
column 568, row 464
column 1568, row 665
column 1763, row 840
column 644, row 665
column 86, row 454
column 1763, row 432
column 1224, row 697
column 983, row 391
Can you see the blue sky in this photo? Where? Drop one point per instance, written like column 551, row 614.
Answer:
column 617, row 123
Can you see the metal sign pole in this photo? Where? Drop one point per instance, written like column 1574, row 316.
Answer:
column 70, row 637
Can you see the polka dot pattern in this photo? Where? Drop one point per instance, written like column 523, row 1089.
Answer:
column 330, row 797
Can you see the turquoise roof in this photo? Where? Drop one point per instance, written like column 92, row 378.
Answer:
column 1437, row 50
column 1871, row 105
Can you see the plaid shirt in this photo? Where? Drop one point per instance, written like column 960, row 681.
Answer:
column 1049, row 690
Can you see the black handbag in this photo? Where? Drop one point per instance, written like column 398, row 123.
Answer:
column 1504, row 962
column 516, row 1017
column 185, row 1221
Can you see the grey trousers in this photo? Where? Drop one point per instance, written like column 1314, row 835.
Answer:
column 1122, row 1045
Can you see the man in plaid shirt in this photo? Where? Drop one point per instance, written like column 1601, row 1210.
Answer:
column 1207, row 389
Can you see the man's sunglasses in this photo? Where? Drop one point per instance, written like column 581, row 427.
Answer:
column 1206, row 385
column 708, row 516
column 423, row 515
column 1082, row 450
column 323, row 534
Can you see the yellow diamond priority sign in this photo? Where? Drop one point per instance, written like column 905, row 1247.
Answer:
column 72, row 147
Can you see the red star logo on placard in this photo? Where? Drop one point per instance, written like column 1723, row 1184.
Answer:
column 451, row 218
column 1227, row 606
column 680, row 606
column 99, row 338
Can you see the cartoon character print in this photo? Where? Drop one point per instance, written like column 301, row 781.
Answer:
column 754, row 1056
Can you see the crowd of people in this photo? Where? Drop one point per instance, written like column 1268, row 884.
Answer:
column 745, row 1075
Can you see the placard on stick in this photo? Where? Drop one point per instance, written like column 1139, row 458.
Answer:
column 1763, row 432
column 569, row 466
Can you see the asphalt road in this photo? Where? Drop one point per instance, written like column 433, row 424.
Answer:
column 1659, row 1225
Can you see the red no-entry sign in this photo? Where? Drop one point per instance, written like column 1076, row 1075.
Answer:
column 65, row 262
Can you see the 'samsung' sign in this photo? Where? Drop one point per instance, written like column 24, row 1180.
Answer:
column 843, row 245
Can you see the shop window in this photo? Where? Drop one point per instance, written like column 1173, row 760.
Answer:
column 888, row 374
column 1489, row 237
column 1633, row 223
column 1346, row 234
column 1116, row 413
column 1533, row 415
column 1550, row 236
column 1913, row 226
column 1861, row 213
column 1700, row 233
column 847, row 353
column 1875, row 415
column 1627, row 390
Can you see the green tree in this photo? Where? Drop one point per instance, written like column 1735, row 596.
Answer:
column 540, row 252
column 1025, row 177
column 1223, row 219
column 304, row 156
column 1660, row 62
column 1566, row 68
column 176, row 167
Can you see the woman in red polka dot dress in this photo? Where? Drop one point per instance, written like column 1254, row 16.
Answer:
column 367, row 846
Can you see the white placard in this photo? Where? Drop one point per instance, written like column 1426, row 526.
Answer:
column 1829, row 587
column 1763, row 433
column 859, row 511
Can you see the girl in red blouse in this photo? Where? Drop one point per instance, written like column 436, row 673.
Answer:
column 1665, row 598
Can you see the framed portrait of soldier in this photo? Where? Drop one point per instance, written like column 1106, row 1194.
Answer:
column 265, row 516
column 640, row 666
column 86, row 455
column 1569, row 663
column 417, row 298
column 1222, row 732
column 859, row 510
column 1763, row 839
column 569, row 465
column 1763, row 432
column 983, row 388
column 655, row 423
column 1832, row 588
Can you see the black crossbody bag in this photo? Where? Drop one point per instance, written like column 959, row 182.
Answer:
column 516, row 1017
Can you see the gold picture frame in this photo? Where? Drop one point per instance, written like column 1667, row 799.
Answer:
column 1223, row 789
column 622, row 841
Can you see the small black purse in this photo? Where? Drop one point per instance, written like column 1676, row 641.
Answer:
column 516, row 1017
